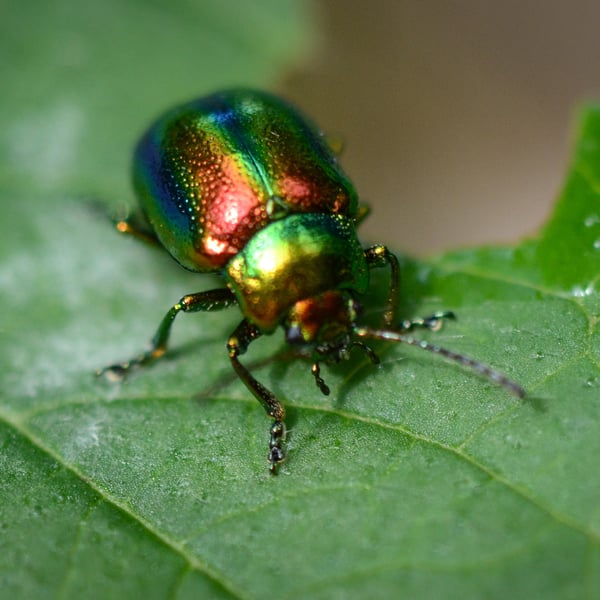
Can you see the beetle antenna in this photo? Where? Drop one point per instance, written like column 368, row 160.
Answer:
column 481, row 368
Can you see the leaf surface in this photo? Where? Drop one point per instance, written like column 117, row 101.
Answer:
column 416, row 477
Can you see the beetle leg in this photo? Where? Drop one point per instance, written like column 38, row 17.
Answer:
column 130, row 227
column 204, row 301
column 136, row 225
column 237, row 344
column 131, row 223
column 380, row 256
column 433, row 322
column 316, row 372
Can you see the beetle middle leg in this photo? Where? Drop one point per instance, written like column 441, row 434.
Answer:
column 380, row 256
column 237, row 344
column 204, row 301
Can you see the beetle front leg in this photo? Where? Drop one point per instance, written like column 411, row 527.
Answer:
column 380, row 256
column 433, row 322
column 316, row 373
column 203, row 301
column 237, row 344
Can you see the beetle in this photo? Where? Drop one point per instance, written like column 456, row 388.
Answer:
column 241, row 184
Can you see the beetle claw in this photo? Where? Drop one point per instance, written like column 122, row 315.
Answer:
column 114, row 373
column 276, row 453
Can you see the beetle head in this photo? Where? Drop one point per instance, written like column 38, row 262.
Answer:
column 322, row 325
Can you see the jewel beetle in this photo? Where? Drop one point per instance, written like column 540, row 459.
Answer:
column 241, row 184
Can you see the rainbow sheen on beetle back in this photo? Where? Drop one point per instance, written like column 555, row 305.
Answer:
column 211, row 173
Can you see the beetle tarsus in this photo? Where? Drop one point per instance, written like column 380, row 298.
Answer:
column 316, row 372
column 276, row 453
column 433, row 322
column 114, row 373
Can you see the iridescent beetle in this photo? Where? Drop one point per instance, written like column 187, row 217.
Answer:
column 239, row 183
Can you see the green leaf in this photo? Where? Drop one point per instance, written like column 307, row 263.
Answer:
column 418, row 479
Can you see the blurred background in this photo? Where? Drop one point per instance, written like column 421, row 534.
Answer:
column 457, row 116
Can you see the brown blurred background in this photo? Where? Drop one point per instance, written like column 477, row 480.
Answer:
column 456, row 115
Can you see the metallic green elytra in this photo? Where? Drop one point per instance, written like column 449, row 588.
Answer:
column 241, row 184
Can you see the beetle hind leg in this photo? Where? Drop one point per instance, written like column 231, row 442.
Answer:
column 136, row 225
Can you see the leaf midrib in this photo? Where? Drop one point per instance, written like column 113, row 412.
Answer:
column 455, row 451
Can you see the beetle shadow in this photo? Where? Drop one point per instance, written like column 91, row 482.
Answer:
column 539, row 404
column 279, row 361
